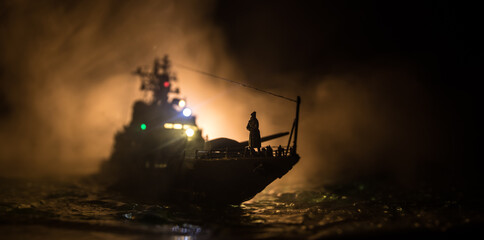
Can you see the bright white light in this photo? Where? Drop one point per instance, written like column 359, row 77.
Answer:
column 190, row 132
column 187, row 112
column 177, row 126
column 168, row 125
column 182, row 103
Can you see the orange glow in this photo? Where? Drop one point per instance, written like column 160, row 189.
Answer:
column 76, row 97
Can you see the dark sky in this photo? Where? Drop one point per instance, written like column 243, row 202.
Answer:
column 319, row 36
column 435, row 41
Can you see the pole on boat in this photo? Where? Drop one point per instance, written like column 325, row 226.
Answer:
column 290, row 137
column 296, row 123
column 294, row 128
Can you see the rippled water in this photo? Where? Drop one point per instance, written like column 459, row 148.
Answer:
column 78, row 208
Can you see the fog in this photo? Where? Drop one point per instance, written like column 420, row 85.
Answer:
column 67, row 74
column 67, row 87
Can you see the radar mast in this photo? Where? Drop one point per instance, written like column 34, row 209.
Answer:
column 158, row 81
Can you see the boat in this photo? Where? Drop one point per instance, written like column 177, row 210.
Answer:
column 161, row 154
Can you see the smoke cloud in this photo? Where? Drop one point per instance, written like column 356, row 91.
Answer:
column 67, row 88
column 66, row 75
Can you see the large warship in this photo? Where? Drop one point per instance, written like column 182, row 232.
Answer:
column 161, row 154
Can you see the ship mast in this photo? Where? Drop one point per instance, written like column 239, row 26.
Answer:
column 295, row 128
column 158, row 80
column 296, row 123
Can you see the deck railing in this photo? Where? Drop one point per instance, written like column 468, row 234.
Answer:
column 246, row 153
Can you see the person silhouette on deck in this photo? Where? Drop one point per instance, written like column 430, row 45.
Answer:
column 270, row 152
column 254, row 135
column 280, row 151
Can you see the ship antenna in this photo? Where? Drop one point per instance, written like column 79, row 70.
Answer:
column 158, row 80
column 235, row 82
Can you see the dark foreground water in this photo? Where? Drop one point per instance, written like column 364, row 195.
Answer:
column 77, row 208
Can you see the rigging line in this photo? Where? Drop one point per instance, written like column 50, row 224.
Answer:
column 228, row 80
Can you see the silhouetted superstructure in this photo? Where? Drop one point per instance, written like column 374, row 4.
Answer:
column 161, row 154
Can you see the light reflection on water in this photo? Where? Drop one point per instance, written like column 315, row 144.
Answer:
column 289, row 212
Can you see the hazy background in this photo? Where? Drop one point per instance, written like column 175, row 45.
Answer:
column 388, row 89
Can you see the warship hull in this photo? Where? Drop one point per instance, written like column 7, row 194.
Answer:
column 233, row 180
column 214, row 181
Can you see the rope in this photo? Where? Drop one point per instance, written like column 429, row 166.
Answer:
column 231, row 81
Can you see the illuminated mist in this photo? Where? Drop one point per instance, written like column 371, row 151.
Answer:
column 66, row 74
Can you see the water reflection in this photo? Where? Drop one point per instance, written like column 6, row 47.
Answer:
column 292, row 212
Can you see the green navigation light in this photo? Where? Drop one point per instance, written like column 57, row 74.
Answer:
column 143, row 126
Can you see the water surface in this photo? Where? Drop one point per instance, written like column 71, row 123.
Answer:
column 78, row 208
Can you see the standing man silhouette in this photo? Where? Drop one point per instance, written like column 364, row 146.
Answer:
column 254, row 135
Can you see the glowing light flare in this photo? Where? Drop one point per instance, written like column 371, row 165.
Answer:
column 182, row 103
column 166, row 84
column 143, row 126
column 190, row 132
column 187, row 112
column 188, row 129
